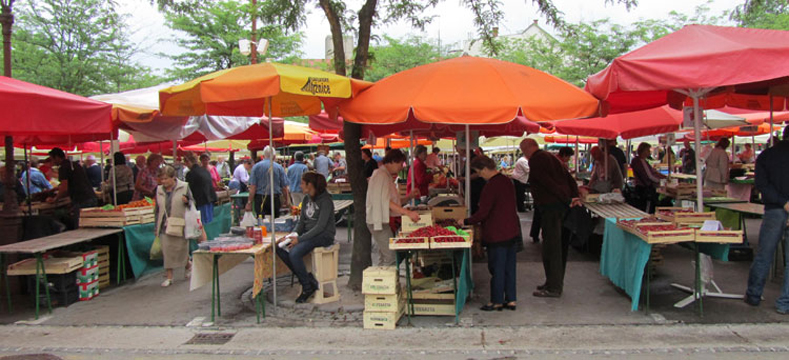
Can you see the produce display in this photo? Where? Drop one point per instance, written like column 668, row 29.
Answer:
column 446, row 222
column 654, row 231
column 430, row 231
column 410, row 240
column 639, row 222
column 136, row 212
column 683, row 216
column 227, row 244
column 668, row 212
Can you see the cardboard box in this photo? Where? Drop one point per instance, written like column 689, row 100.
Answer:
column 449, row 212
column 425, row 219
column 380, row 280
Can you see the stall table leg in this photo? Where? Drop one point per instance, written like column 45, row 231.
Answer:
column 5, row 282
column 121, row 261
column 260, row 305
column 455, row 286
column 216, row 305
column 41, row 273
column 698, row 291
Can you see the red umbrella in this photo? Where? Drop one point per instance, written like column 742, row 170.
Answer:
column 627, row 125
column 35, row 114
column 693, row 62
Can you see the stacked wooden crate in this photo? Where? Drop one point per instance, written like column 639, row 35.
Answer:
column 96, row 217
column 383, row 302
column 103, row 255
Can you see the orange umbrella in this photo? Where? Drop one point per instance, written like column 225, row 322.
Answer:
column 468, row 90
column 396, row 144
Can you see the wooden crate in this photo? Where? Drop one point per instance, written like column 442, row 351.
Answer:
column 338, row 188
column 719, row 236
column 323, row 262
column 664, row 237
column 381, row 302
column 434, row 307
column 425, row 219
column 424, row 243
column 51, row 266
column 449, row 212
column 383, row 320
column 380, row 280
column 96, row 217
column 683, row 218
column 435, row 242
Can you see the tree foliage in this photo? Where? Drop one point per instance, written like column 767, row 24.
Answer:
column 212, row 31
column 397, row 55
column 763, row 14
column 78, row 46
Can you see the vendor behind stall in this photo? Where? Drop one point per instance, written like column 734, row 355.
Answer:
column 605, row 181
column 421, row 179
column 38, row 182
column 647, row 179
column 74, row 184
column 315, row 228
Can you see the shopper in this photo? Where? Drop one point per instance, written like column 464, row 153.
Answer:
column 124, row 177
column 383, row 203
column 433, row 161
column 520, row 176
column 222, row 168
column 295, row 172
column 139, row 166
column 205, row 163
column 259, row 182
column 772, row 180
column 74, row 183
column 172, row 201
column 647, row 179
column 315, row 228
column 716, row 175
column 145, row 185
column 555, row 191
column 500, row 232
column 688, row 157
column 369, row 163
column 241, row 176
column 418, row 181
column 340, row 166
column 200, row 185
column 605, row 181
column 93, row 171
column 619, row 155
column 322, row 164
column 38, row 182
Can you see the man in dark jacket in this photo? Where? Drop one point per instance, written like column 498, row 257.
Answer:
column 772, row 180
column 202, row 187
column 555, row 191
column 74, row 183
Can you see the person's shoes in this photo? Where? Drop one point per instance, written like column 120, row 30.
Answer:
column 542, row 287
column 536, row 240
column 492, row 307
column 782, row 311
column 545, row 293
column 511, row 306
column 750, row 302
column 167, row 282
column 306, row 293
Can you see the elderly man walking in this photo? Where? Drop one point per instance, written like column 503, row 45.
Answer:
column 259, row 182
column 555, row 191
column 772, row 180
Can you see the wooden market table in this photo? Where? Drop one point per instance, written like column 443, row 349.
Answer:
column 462, row 283
column 37, row 247
column 217, row 263
column 683, row 177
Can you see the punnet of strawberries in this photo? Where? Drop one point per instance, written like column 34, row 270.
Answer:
column 431, row 231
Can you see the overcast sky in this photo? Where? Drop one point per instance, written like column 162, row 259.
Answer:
column 455, row 23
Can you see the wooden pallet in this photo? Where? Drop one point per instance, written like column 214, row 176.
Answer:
column 51, row 266
column 394, row 245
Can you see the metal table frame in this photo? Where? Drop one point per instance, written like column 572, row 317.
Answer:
column 37, row 248
column 216, row 302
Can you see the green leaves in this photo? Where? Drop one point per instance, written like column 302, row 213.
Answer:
column 210, row 34
column 398, row 55
column 78, row 46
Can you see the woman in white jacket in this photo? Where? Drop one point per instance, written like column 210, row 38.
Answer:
column 717, row 174
column 383, row 203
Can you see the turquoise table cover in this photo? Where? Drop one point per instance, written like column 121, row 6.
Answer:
column 624, row 258
column 139, row 239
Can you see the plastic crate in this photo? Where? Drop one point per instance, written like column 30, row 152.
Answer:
column 57, row 282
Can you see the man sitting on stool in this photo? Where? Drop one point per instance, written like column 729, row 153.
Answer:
column 315, row 228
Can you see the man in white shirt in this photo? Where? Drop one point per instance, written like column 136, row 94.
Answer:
column 222, row 167
column 521, row 176
column 433, row 161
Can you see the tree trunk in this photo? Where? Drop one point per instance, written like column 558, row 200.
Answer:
column 10, row 205
column 336, row 36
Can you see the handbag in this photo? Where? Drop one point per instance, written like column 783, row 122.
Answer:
column 175, row 226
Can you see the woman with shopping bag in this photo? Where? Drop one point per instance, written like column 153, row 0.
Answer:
column 172, row 202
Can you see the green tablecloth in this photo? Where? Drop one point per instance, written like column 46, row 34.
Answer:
column 729, row 219
column 139, row 239
column 624, row 258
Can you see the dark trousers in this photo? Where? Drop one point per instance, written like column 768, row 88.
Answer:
column 535, row 224
column 294, row 259
column 501, row 264
column 124, row 197
column 75, row 211
column 520, row 195
column 556, row 243
column 647, row 198
column 263, row 205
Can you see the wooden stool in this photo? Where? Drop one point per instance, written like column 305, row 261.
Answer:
column 323, row 264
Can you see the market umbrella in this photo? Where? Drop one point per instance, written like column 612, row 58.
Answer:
column 467, row 91
column 256, row 90
column 692, row 62
column 627, row 125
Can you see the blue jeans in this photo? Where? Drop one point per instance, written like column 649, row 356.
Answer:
column 773, row 230
column 501, row 264
column 294, row 259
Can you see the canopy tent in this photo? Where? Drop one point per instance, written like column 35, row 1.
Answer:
column 693, row 62
column 627, row 125
column 256, row 90
column 748, row 130
column 35, row 114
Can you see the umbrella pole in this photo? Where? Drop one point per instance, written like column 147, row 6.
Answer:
column 771, row 120
column 411, row 172
column 271, row 201
column 114, row 179
column 468, row 172
column 576, row 156
column 101, row 165
column 697, row 142
column 175, row 149
column 27, row 180
column 605, row 161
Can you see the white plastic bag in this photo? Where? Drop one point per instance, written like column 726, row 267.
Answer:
column 248, row 220
column 193, row 229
